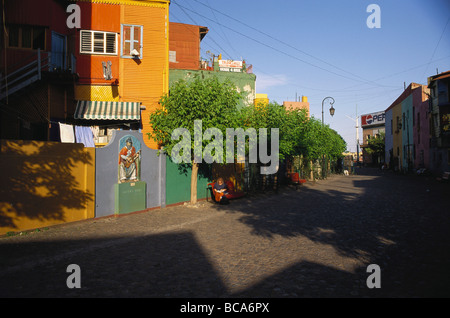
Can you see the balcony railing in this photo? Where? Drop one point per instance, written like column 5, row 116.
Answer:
column 24, row 75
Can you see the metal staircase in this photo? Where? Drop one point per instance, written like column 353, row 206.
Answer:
column 24, row 75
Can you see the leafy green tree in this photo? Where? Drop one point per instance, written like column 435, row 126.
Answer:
column 215, row 104
column 209, row 100
column 299, row 135
column 376, row 145
column 291, row 125
column 314, row 139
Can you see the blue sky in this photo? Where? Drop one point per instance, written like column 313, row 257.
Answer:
column 324, row 48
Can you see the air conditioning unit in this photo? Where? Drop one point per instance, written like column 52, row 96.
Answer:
column 135, row 52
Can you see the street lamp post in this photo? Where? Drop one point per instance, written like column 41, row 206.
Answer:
column 332, row 114
column 331, row 109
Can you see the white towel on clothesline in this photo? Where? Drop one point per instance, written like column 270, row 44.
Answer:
column 66, row 133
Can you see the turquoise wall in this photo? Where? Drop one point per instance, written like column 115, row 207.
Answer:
column 178, row 183
column 389, row 139
column 407, row 131
column 178, row 178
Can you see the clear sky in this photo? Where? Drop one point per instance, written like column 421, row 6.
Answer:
column 321, row 48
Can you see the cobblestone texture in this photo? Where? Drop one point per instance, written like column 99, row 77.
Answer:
column 316, row 241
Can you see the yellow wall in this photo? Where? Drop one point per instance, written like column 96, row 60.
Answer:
column 106, row 93
column 146, row 80
column 44, row 184
column 261, row 99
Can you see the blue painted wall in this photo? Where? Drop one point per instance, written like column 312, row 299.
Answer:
column 153, row 172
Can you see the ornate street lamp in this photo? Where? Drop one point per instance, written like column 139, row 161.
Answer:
column 331, row 109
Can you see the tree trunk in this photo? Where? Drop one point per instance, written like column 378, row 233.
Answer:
column 194, row 175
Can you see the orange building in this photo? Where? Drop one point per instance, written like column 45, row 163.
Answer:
column 108, row 70
column 122, row 57
column 184, row 45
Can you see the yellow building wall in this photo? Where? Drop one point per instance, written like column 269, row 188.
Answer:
column 105, row 93
column 261, row 99
column 44, row 184
column 146, row 80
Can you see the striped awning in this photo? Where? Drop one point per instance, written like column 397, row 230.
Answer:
column 108, row 110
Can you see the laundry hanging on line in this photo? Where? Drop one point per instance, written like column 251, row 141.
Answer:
column 66, row 133
column 84, row 135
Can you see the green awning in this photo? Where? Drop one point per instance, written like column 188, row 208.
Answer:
column 108, row 110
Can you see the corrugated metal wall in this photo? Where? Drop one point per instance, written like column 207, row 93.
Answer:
column 145, row 80
column 142, row 80
column 89, row 66
column 185, row 42
column 45, row 13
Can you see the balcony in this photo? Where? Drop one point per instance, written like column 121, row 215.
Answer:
column 35, row 67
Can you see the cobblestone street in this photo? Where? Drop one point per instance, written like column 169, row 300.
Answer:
column 316, row 241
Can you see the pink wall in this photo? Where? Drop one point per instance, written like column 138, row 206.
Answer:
column 297, row 105
column 421, row 127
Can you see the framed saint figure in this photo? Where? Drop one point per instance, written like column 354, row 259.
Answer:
column 129, row 159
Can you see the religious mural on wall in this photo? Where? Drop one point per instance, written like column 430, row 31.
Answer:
column 129, row 159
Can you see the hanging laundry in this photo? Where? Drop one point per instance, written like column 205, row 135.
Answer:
column 84, row 136
column 96, row 132
column 66, row 133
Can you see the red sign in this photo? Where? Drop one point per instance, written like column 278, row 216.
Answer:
column 230, row 63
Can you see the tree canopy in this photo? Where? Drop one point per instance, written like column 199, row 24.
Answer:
column 299, row 135
column 213, row 104
column 208, row 101
column 376, row 144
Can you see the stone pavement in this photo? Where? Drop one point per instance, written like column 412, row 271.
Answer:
column 313, row 242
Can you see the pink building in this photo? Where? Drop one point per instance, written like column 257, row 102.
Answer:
column 421, row 130
column 304, row 104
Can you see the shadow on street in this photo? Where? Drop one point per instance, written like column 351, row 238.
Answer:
column 398, row 222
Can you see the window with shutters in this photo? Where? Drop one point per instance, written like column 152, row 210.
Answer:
column 98, row 42
column 131, row 46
